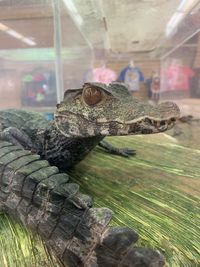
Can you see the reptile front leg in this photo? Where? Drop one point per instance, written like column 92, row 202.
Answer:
column 17, row 137
column 125, row 152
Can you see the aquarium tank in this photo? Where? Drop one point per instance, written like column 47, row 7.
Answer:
column 152, row 47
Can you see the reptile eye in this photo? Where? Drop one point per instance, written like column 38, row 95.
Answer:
column 92, row 96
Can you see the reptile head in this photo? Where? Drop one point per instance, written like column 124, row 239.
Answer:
column 98, row 109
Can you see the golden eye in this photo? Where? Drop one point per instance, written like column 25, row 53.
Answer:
column 92, row 96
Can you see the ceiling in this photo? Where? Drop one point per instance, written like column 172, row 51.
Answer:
column 128, row 26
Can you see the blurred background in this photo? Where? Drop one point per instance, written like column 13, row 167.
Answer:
column 153, row 46
column 47, row 47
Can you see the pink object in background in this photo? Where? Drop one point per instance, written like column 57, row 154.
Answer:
column 179, row 77
column 104, row 75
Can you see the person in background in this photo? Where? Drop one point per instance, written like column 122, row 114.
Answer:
column 147, row 84
column 155, row 87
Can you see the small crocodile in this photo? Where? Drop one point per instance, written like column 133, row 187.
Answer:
column 41, row 196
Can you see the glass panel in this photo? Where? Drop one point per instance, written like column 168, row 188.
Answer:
column 180, row 60
column 132, row 42
column 97, row 41
column 27, row 59
column 153, row 46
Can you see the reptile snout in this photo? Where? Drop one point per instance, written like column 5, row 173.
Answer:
column 169, row 110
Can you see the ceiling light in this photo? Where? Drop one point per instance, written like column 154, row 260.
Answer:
column 185, row 5
column 182, row 10
column 3, row 27
column 14, row 34
column 28, row 41
column 73, row 12
column 172, row 24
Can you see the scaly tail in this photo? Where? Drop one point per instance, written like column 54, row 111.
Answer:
column 43, row 199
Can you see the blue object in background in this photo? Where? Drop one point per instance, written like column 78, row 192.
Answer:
column 132, row 76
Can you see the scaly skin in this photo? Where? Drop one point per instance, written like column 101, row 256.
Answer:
column 41, row 197
column 82, row 120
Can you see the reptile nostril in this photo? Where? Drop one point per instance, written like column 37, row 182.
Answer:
column 173, row 119
column 162, row 123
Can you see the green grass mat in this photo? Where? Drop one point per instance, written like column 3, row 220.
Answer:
column 157, row 193
column 20, row 248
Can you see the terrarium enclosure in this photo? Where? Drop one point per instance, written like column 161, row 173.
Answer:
column 152, row 46
column 49, row 46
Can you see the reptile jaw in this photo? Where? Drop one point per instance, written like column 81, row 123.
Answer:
column 125, row 118
column 149, row 125
column 145, row 119
column 154, row 119
column 141, row 125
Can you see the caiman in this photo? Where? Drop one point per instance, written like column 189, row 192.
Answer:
column 41, row 196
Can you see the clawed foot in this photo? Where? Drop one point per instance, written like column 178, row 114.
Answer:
column 124, row 152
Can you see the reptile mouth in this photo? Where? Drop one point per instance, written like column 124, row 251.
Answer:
column 139, row 119
column 149, row 125
column 157, row 119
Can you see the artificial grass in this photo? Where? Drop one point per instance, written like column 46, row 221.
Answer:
column 157, row 193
